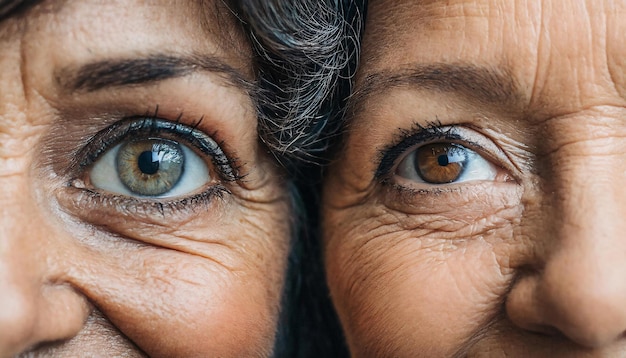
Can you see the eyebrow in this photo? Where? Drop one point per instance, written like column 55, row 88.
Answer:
column 486, row 85
column 104, row 74
column 10, row 8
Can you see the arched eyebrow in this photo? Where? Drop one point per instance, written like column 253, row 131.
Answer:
column 485, row 85
column 99, row 75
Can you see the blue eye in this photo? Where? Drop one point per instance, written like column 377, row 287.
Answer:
column 151, row 167
column 445, row 163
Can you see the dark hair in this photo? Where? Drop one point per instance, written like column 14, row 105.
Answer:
column 307, row 52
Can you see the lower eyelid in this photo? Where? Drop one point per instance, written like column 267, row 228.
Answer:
column 99, row 209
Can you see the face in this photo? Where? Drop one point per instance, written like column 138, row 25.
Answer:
column 477, row 204
column 139, row 213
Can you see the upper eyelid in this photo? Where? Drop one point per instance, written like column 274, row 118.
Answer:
column 390, row 156
column 105, row 139
column 515, row 167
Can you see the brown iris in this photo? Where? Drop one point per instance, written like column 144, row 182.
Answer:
column 440, row 163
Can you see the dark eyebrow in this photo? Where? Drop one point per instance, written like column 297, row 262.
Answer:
column 103, row 74
column 486, row 85
column 10, row 8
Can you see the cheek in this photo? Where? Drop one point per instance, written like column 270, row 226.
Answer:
column 205, row 310
column 175, row 303
column 401, row 290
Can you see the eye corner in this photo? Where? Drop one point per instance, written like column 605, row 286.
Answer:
column 508, row 178
column 77, row 183
column 230, row 169
column 386, row 165
column 476, row 157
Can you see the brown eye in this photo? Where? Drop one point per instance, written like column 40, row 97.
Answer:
column 445, row 163
column 440, row 163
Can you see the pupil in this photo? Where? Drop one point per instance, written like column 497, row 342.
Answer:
column 146, row 163
column 443, row 160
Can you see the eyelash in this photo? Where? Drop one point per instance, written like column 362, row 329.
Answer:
column 418, row 134
column 152, row 126
column 147, row 126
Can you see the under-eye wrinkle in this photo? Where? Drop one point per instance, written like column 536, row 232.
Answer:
column 88, row 202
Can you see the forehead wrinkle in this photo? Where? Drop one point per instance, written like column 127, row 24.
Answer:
column 381, row 27
column 215, row 19
column 200, row 22
column 221, row 19
column 387, row 19
column 549, row 72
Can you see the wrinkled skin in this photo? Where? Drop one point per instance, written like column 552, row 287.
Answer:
column 527, row 258
column 88, row 272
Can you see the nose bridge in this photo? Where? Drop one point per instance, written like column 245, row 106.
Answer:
column 35, row 304
column 22, row 268
column 581, row 288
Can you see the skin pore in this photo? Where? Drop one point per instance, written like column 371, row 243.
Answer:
column 476, row 205
column 91, row 263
